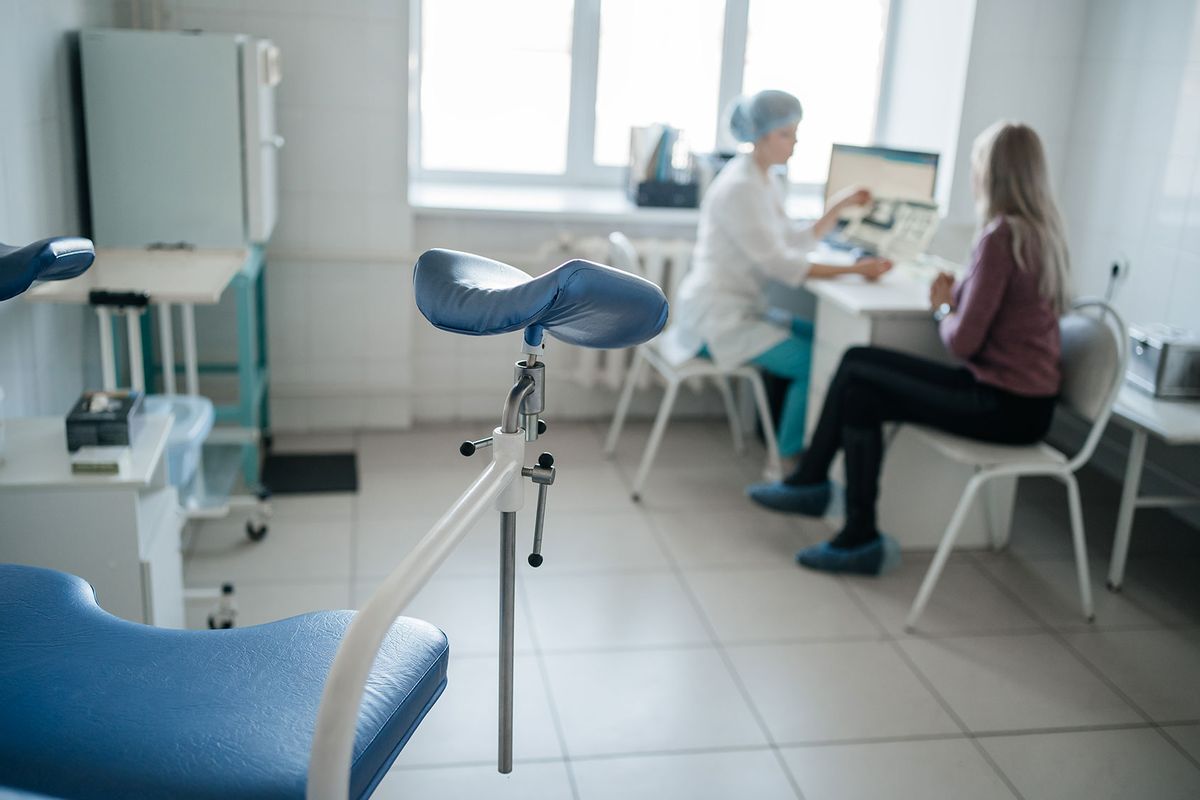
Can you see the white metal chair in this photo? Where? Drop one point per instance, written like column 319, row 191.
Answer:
column 623, row 255
column 1093, row 364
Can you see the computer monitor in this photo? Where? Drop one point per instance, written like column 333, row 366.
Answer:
column 888, row 173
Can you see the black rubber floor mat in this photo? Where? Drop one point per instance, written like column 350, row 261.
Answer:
column 302, row 473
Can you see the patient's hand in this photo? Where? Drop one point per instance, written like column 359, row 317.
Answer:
column 941, row 290
column 872, row 268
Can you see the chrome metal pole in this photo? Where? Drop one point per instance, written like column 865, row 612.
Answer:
column 508, row 575
column 510, row 420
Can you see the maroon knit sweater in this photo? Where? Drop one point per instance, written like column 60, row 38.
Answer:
column 1002, row 327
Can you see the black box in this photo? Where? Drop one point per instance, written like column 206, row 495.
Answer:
column 104, row 418
column 667, row 194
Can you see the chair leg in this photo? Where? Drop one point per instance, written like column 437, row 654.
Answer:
column 1081, row 559
column 731, row 411
column 656, row 434
column 944, row 548
column 774, row 470
column 631, row 381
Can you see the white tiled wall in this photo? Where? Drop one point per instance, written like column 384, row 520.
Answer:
column 42, row 348
column 338, row 266
column 1131, row 187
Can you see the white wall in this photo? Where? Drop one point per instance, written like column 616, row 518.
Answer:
column 1132, row 180
column 1024, row 66
column 43, row 349
column 925, row 79
column 339, row 302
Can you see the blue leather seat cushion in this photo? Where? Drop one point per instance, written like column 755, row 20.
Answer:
column 53, row 259
column 578, row 302
column 94, row 706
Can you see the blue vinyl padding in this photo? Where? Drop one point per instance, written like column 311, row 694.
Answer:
column 579, row 302
column 48, row 260
column 93, row 706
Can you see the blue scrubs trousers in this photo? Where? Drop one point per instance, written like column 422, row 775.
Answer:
column 791, row 359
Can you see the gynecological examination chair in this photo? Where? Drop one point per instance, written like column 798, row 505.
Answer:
column 321, row 704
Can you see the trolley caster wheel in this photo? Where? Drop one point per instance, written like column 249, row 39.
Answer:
column 256, row 531
column 1115, row 588
column 218, row 624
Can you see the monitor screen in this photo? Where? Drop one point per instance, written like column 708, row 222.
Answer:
column 899, row 174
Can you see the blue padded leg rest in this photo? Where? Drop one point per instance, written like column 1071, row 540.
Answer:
column 98, row 707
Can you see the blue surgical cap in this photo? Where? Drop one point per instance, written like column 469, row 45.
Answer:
column 754, row 117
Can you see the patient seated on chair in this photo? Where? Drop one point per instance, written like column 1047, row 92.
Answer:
column 1000, row 321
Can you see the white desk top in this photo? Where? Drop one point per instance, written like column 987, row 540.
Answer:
column 902, row 292
column 167, row 276
column 36, row 457
column 1173, row 421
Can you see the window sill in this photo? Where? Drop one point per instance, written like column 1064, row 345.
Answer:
column 559, row 204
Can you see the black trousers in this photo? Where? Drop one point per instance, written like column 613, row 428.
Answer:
column 874, row 385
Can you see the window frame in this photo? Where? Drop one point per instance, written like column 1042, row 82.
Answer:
column 581, row 170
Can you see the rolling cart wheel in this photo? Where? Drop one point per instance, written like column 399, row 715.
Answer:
column 218, row 624
column 257, row 531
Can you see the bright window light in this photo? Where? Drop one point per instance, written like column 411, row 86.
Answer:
column 828, row 55
column 495, row 85
column 660, row 61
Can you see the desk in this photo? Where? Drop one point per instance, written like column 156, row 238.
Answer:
column 120, row 533
column 184, row 278
column 1176, row 423
column 919, row 488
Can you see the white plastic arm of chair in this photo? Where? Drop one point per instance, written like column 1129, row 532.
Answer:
column 337, row 716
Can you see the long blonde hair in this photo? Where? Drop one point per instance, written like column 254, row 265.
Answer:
column 1013, row 183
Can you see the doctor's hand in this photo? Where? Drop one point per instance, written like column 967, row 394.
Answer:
column 871, row 268
column 852, row 196
column 941, row 290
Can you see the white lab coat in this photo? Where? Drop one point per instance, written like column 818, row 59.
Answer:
column 745, row 238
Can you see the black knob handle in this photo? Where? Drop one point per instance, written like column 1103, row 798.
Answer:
column 545, row 461
column 467, row 448
column 541, row 426
column 535, row 559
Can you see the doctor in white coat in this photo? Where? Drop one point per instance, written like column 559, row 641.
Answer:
column 746, row 239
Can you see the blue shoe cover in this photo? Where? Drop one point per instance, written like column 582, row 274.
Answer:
column 810, row 499
column 876, row 557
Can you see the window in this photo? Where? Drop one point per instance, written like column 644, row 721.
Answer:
column 826, row 54
column 495, row 85
column 660, row 61
column 547, row 90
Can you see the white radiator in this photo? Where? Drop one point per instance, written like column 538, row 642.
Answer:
column 661, row 261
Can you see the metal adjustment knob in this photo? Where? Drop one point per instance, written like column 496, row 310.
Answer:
column 469, row 448
column 543, row 476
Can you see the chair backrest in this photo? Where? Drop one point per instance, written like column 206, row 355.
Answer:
column 622, row 254
column 1094, row 351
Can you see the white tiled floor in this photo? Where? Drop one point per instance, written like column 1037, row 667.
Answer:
column 671, row 649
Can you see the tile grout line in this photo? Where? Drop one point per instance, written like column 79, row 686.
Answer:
column 546, row 690
column 728, row 662
column 1088, row 665
column 894, row 643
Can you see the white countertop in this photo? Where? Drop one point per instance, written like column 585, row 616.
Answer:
column 1174, row 421
column 561, row 204
column 902, row 292
column 36, row 457
column 167, row 276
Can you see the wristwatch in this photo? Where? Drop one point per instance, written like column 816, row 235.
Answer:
column 942, row 311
